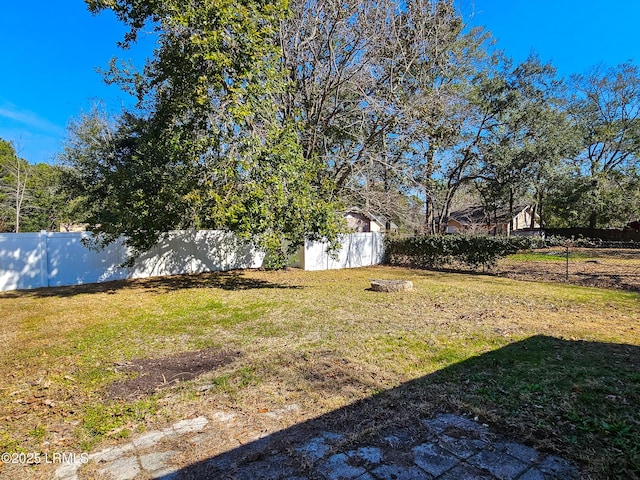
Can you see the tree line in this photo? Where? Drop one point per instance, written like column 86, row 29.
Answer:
column 269, row 117
column 32, row 197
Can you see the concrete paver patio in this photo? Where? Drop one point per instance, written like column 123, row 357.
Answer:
column 451, row 447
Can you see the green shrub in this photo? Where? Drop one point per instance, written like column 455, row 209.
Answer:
column 440, row 251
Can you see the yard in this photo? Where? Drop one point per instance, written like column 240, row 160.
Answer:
column 594, row 267
column 553, row 365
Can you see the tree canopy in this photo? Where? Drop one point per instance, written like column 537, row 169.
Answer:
column 208, row 146
column 269, row 117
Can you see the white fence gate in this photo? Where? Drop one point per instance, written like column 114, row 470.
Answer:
column 34, row 260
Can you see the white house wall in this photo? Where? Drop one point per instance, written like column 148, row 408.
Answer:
column 523, row 220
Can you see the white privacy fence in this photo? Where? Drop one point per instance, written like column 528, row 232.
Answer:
column 357, row 250
column 33, row 260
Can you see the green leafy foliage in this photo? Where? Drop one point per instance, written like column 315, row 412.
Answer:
column 206, row 146
column 439, row 251
column 602, row 185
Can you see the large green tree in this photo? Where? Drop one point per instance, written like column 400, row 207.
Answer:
column 524, row 150
column 604, row 177
column 48, row 207
column 208, row 145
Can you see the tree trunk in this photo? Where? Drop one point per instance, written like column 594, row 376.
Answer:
column 495, row 221
column 429, row 218
column 428, row 215
column 534, row 209
column 510, row 212
column 541, row 209
column 446, row 207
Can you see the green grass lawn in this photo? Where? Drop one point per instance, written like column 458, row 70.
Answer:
column 556, row 366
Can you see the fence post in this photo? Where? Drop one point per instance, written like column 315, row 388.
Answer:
column 566, row 274
column 43, row 245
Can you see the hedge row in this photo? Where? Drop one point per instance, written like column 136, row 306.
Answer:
column 440, row 251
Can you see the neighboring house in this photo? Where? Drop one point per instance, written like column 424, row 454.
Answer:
column 477, row 220
column 359, row 221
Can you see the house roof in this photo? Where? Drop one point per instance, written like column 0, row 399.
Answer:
column 380, row 220
column 476, row 215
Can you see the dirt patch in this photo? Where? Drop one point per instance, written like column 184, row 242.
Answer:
column 157, row 373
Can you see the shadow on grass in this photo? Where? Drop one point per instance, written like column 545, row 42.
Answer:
column 230, row 280
column 578, row 400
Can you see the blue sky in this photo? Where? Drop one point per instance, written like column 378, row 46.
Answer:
column 49, row 54
column 573, row 34
column 51, row 49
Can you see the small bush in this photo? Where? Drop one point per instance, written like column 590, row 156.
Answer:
column 440, row 251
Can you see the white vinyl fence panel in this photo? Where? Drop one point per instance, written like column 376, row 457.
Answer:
column 357, row 250
column 23, row 261
column 33, row 260
column 70, row 262
column 196, row 252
